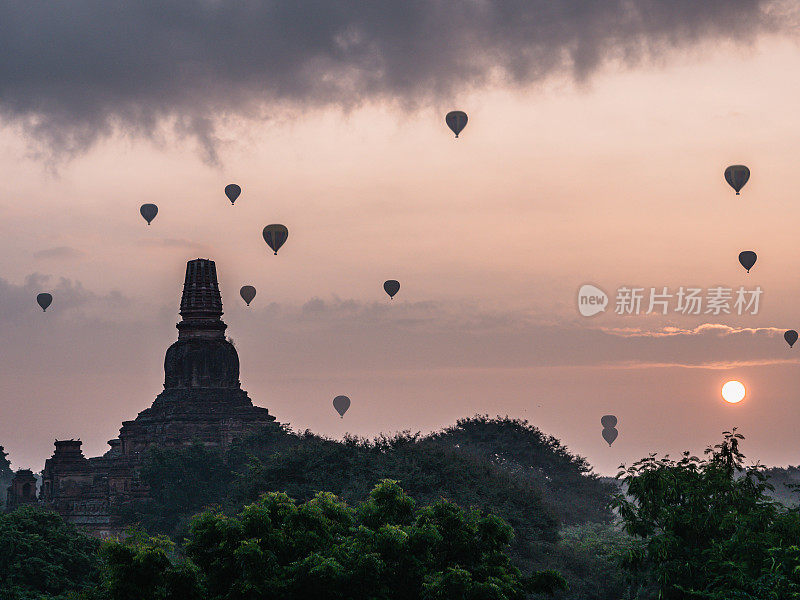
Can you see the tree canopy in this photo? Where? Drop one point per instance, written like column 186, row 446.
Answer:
column 709, row 527
column 5, row 465
column 385, row 548
column 42, row 556
column 500, row 465
column 6, row 475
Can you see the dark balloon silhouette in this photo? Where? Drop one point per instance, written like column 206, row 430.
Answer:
column 392, row 287
column 248, row 292
column 456, row 120
column 44, row 300
column 737, row 176
column 790, row 337
column 275, row 236
column 232, row 191
column 747, row 259
column 149, row 212
column 610, row 434
column 341, row 404
column 608, row 421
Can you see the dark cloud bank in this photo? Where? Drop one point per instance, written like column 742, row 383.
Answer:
column 71, row 73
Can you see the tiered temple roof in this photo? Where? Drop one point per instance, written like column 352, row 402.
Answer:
column 202, row 401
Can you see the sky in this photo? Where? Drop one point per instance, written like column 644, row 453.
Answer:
column 594, row 154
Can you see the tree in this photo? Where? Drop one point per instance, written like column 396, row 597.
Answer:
column 6, row 475
column 42, row 556
column 147, row 567
column 591, row 558
column 710, row 529
column 500, row 465
column 570, row 489
column 385, row 548
column 5, row 465
column 503, row 466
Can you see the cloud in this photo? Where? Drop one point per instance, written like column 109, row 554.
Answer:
column 325, row 337
column 94, row 359
column 18, row 302
column 58, row 252
column 74, row 73
column 713, row 365
column 346, row 336
column 706, row 328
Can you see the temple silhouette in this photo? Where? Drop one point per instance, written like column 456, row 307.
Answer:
column 202, row 400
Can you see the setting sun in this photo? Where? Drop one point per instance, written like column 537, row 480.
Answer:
column 733, row 392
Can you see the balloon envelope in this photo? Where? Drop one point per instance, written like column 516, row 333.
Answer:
column 456, row 120
column 737, row 176
column 275, row 236
column 44, row 300
column 341, row 404
column 608, row 421
column 149, row 212
column 610, row 434
column 232, row 191
column 248, row 292
column 790, row 337
column 747, row 259
column 391, row 286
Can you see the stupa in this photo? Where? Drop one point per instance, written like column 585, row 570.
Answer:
column 202, row 401
column 202, row 398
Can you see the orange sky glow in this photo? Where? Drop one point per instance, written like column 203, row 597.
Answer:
column 614, row 181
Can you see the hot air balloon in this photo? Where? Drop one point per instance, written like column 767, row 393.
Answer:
column 610, row 434
column 275, row 236
column 790, row 337
column 456, row 120
column 149, row 212
column 248, row 292
column 608, row 421
column 747, row 259
column 341, row 404
column 737, row 176
column 392, row 287
column 44, row 300
column 232, row 191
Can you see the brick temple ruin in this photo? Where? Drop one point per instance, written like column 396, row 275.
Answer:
column 202, row 400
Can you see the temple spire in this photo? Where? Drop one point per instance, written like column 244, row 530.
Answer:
column 201, row 303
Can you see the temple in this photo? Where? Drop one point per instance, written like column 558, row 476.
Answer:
column 202, row 400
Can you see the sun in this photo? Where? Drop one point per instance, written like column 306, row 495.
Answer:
column 733, row 392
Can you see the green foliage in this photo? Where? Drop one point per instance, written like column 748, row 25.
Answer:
column 385, row 548
column 145, row 567
column 426, row 469
column 501, row 465
column 6, row 475
column 42, row 556
column 5, row 466
column 591, row 558
column 570, row 489
column 711, row 531
column 182, row 481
